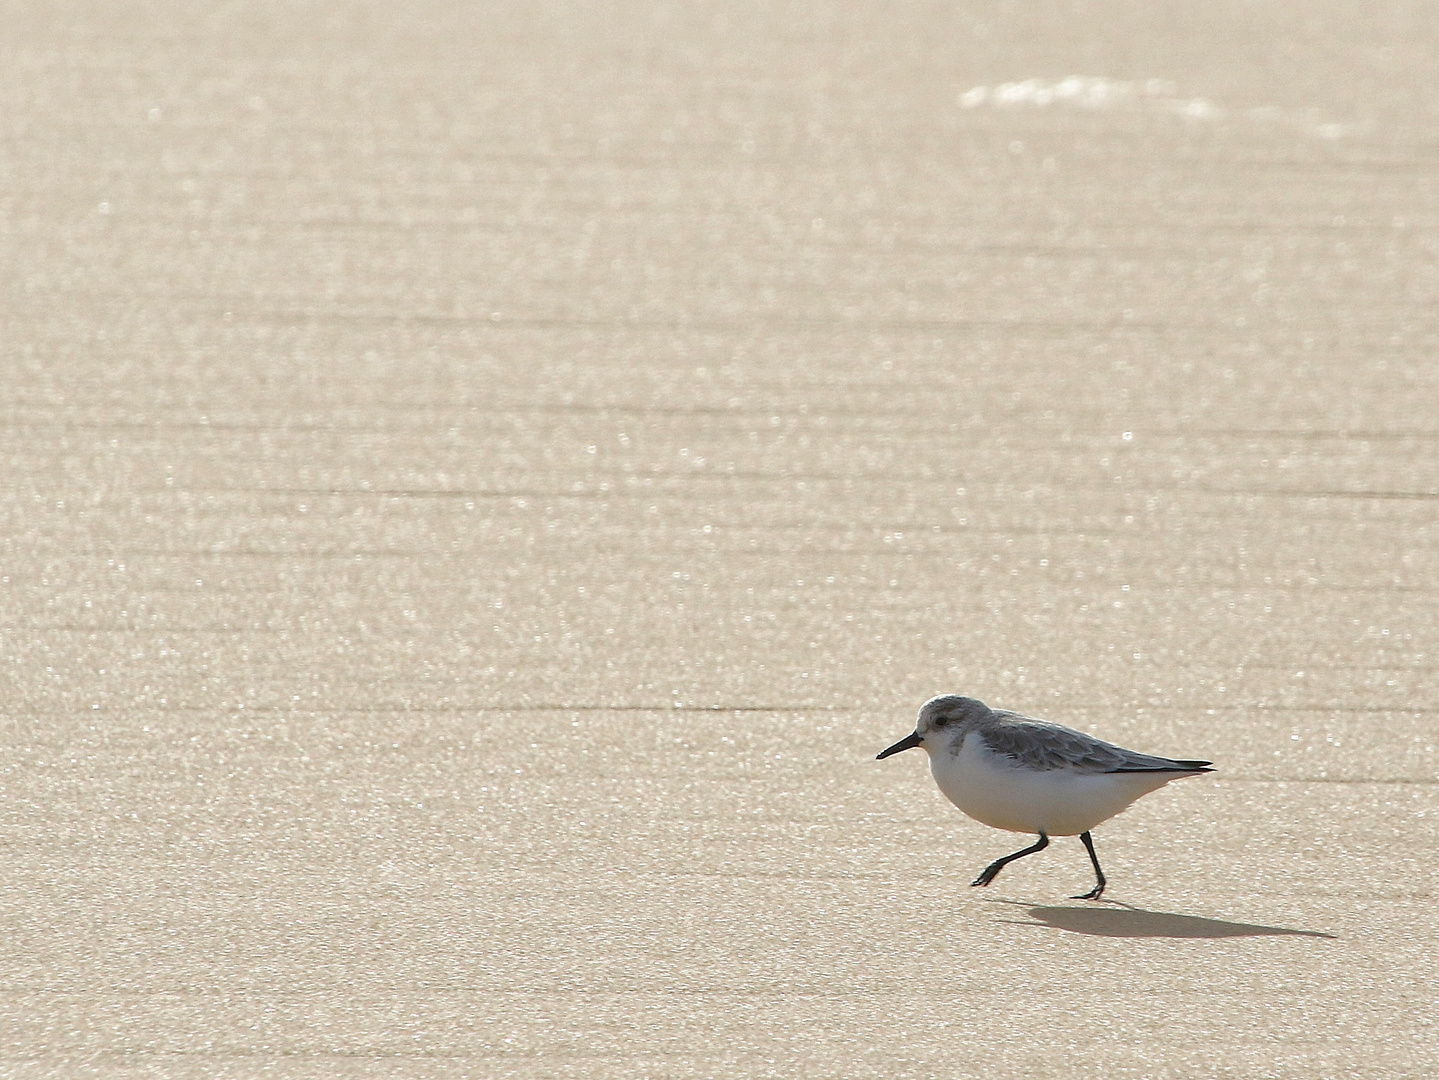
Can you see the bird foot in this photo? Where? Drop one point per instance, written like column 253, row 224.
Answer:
column 1093, row 894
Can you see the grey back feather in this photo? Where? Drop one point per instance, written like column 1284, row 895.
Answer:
column 1040, row 744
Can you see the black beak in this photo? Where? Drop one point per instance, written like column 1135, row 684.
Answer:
column 909, row 742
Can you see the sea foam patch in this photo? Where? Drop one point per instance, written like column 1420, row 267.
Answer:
column 1091, row 92
column 1157, row 95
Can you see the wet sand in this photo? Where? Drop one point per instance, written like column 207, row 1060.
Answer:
column 481, row 485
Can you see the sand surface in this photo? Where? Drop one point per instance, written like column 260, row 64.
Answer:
column 481, row 482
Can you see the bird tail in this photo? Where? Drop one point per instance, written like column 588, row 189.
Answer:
column 1172, row 766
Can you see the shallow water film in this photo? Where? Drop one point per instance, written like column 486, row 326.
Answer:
column 483, row 481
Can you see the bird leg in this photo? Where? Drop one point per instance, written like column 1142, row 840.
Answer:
column 1094, row 893
column 992, row 870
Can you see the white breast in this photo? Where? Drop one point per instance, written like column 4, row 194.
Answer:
column 992, row 789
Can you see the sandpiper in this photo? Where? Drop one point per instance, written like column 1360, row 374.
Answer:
column 1014, row 772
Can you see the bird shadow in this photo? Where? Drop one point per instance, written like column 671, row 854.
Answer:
column 1110, row 918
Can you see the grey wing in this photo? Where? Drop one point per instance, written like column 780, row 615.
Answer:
column 1039, row 744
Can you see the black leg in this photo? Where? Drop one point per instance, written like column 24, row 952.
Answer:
column 1094, row 893
column 992, row 870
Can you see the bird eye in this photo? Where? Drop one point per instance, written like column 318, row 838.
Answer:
column 940, row 721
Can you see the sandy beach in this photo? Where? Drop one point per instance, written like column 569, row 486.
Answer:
column 482, row 482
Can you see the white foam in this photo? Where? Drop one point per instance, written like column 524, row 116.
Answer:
column 1089, row 92
column 1153, row 95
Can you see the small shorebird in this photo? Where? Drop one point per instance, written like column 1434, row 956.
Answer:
column 1031, row 776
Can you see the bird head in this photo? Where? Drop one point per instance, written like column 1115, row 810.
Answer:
column 941, row 721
